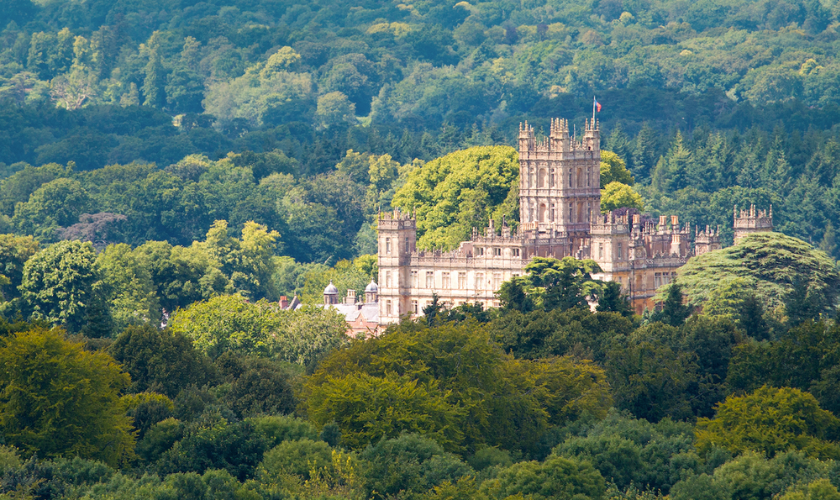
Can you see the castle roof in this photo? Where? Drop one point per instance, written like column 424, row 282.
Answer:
column 331, row 289
column 372, row 287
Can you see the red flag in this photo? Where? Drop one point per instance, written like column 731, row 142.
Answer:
column 597, row 106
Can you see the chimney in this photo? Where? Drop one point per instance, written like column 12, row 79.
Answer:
column 284, row 302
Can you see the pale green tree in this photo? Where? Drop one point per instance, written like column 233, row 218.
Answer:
column 126, row 284
column 334, row 109
column 617, row 195
column 57, row 283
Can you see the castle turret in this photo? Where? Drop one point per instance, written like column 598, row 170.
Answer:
column 752, row 221
column 706, row 241
column 371, row 292
column 397, row 242
column 330, row 294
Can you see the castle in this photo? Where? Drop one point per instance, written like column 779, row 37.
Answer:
column 560, row 216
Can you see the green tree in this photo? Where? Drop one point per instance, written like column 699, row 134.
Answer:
column 410, row 465
column 334, row 109
column 56, row 203
column 617, row 195
column 557, row 477
column 769, row 263
column 562, row 284
column 672, row 170
column 645, row 153
column 459, row 191
column 160, row 360
column 226, row 323
column 449, row 383
column 60, row 400
column 613, row 169
column 612, row 300
column 154, row 91
column 126, row 284
column 19, row 186
column 771, row 421
column 14, row 252
column 673, row 312
column 57, row 283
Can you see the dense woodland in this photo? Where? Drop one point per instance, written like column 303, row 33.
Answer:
column 170, row 168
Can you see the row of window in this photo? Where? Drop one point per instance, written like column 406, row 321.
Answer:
column 619, row 251
column 388, row 245
column 482, row 282
column 660, row 279
column 548, row 213
column 544, row 179
column 497, row 252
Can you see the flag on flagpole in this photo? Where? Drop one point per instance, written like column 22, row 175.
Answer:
column 597, row 105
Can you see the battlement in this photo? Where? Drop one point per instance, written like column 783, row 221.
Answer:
column 560, row 138
column 397, row 220
column 627, row 222
column 751, row 221
column 707, row 240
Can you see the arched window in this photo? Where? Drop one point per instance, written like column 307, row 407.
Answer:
column 570, row 178
column 571, row 211
column 588, row 176
column 580, row 178
column 543, row 212
column 542, row 178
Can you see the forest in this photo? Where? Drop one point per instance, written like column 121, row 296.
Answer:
column 170, row 168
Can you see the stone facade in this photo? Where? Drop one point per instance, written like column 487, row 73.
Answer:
column 560, row 216
column 752, row 221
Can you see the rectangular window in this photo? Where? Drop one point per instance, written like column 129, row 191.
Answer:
column 462, row 281
column 406, row 245
column 387, row 279
column 497, row 280
column 414, row 281
column 497, row 252
column 415, row 307
column 387, row 245
column 657, row 280
column 388, row 309
column 600, row 250
column 479, row 251
column 619, row 252
column 430, row 279
column 515, row 252
column 479, row 281
column 445, row 281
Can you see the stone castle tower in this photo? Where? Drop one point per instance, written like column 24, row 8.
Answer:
column 559, row 180
column 752, row 221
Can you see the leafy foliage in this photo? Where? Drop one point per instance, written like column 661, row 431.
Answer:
column 768, row 263
column 59, row 400
column 460, row 191
column 771, row 421
column 450, row 383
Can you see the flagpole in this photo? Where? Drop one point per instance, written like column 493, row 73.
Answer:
column 593, row 110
